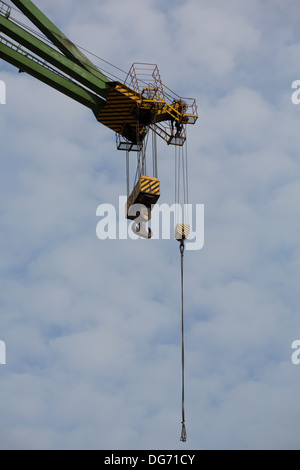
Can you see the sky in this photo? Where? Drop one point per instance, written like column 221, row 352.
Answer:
column 92, row 327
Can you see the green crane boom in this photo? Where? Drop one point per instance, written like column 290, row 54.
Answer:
column 57, row 37
column 75, row 65
column 28, row 63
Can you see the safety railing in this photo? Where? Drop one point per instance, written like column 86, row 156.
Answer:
column 145, row 80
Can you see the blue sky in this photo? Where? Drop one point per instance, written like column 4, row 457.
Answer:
column 92, row 327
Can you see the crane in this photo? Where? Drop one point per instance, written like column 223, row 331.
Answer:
column 130, row 108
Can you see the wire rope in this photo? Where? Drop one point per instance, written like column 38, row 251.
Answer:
column 183, row 428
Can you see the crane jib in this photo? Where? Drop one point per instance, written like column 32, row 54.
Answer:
column 53, row 57
column 57, row 38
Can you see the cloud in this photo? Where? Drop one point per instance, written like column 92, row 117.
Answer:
column 92, row 327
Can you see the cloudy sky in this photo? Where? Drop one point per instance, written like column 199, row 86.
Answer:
column 92, row 327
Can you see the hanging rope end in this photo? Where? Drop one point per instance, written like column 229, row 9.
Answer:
column 183, row 432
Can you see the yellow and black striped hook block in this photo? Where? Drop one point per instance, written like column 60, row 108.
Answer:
column 140, row 203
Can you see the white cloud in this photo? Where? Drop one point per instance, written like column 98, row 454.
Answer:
column 92, row 327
